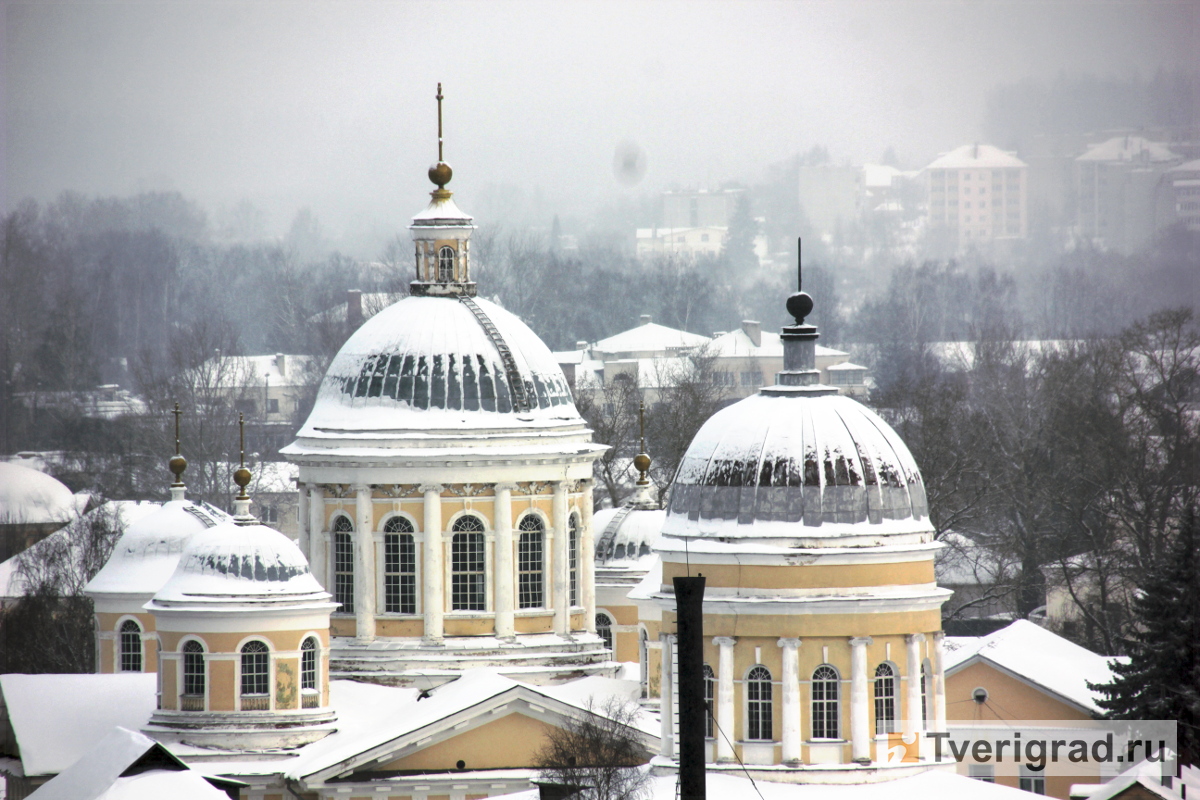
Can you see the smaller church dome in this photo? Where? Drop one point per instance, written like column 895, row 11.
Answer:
column 148, row 552
column 626, row 534
column 241, row 563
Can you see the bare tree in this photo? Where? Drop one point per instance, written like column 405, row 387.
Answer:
column 611, row 411
column 689, row 392
column 599, row 754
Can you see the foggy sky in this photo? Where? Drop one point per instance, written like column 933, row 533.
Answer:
column 330, row 105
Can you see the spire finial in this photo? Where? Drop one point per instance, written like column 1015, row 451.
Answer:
column 800, row 304
column 641, row 461
column 440, row 173
column 178, row 463
column 242, row 476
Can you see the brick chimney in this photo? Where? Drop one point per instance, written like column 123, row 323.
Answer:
column 753, row 329
column 354, row 311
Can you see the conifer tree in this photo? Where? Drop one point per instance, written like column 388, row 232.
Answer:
column 1162, row 678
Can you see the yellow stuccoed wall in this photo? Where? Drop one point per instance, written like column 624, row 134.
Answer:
column 813, row 576
column 1020, row 701
column 510, row 742
column 108, row 622
column 802, row 626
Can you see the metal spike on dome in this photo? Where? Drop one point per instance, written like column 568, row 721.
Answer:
column 178, row 463
column 242, row 477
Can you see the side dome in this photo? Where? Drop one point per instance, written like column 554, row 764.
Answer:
column 772, row 462
column 241, row 564
column 147, row 554
column 440, row 363
column 626, row 534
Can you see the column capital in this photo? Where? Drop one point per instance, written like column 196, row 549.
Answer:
column 938, row 636
column 789, row 643
column 362, row 487
column 915, row 638
column 724, row 641
column 506, row 487
column 861, row 641
column 426, row 488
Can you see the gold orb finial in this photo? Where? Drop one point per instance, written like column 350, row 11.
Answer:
column 242, row 476
column 178, row 463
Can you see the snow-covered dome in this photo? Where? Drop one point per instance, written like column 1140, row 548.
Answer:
column 782, row 459
column 626, row 534
column 147, row 553
column 30, row 497
column 241, row 563
column 439, row 363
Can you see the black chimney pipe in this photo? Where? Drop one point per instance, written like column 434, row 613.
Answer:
column 689, row 616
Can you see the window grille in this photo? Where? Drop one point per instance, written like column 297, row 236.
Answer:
column 885, row 699
column 446, row 264
column 343, row 564
column 468, row 579
column 131, row 646
column 308, row 664
column 573, row 558
column 529, row 562
column 758, row 701
column 825, row 703
column 193, row 669
column 399, row 567
column 256, row 670
column 604, row 629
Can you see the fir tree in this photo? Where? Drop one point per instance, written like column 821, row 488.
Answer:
column 1162, row 678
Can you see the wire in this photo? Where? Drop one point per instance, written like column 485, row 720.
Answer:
column 717, row 727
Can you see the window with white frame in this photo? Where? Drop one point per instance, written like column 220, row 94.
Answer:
column 446, row 264
column 131, row 646
column 1032, row 780
column 758, row 705
column 468, row 577
column 885, row 699
column 399, row 567
column 573, row 558
column 710, row 693
column 982, row 772
column 530, row 554
column 256, row 676
column 343, row 564
column 193, row 669
column 308, row 664
column 604, row 629
column 825, row 723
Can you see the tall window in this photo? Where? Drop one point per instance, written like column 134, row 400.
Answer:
column 131, row 646
column 926, row 696
column 193, row 669
column 529, row 562
column 308, row 664
column 399, row 567
column 885, row 699
column 446, row 264
column 343, row 564
column 758, row 705
column 468, row 580
column 604, row 629
column 256, row 673
column 573, row 557
column 825, row 703
column 710, row 692
column 644, row 661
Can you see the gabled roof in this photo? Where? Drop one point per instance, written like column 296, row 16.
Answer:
column 650, row 337
column 126, row 765
column 971, row 156
column 1129, row 148
column 1037, row 656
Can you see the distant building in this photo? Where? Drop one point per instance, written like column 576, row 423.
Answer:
column 977, row 194
column 1120, row 190
column 694, row 222
column 1184, row 188
column 681, row 241
column 270, row 390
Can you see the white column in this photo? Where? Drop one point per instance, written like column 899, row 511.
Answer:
column 666, row 696
column 364, row 565
column 587, row 557
column 318, row 560
column 302, row 521
column 915, row 713
column 791, row 700
column 435, row 598
column 726, row 734
column 502, row 522
column 860, row 716
column 939, row 684
column 562, row 605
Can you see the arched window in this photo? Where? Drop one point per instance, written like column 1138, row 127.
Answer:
column 308, row 673
column 343, row 564
column 573, row 557
column 399, row 567
column 468, row 579
column 758, row 704
column 529, row 562
column 885, row 699
column 825, row 703
column 604, row 629
column 256, row 676
column 446, row 264
column 710, row 692
column 131, row 646
column 193, row 675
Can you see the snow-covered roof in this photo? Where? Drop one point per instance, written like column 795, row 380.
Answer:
column 1129, row 148
column 147, row 553
column 240, row 563
column 650, row 337
column 441, row 211
column 878, row 176
column 962, row 562
column 845, row 365
column 627, row 534
column 30, row 497
column 235, row 372
column 1187, row 166
column 56, row 719
column 428, row 363
column 1145, row 773
column 762, row 465
column 739, row 343
column 971, row 156
column 1038, row 656
column 100, row 774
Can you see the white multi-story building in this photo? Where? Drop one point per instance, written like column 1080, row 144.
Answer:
column 977, row 194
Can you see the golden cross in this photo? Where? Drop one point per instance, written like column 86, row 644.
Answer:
column 439, row 99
